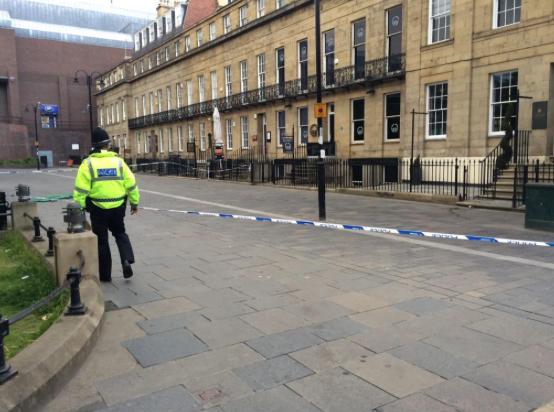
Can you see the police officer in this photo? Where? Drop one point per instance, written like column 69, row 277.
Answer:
column 103, row 184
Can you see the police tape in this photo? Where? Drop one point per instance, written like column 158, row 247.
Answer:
column 51, row 171
column 360, row 228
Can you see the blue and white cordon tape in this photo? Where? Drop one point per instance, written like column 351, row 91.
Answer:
column 338, row 226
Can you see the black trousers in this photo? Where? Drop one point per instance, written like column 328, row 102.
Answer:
column 101, row 221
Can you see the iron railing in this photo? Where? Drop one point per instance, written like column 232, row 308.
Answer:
column 386, row 68
column 452, row 177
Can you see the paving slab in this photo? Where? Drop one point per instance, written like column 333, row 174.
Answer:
column 282, row 343
column 337, row 390
column 358, row 302
column 466, row 396
column 278, row 399
column 473, row 345
column 162, row 347
column 224, row 332
column 318, row 311
column 385, row 338
column 337, row 329
column 537, row 358
column 434, row 360
column 330, row 355
column 227, row 310
column 165, row 307
column 171, row 322
column 381, row 317
column 273, row 320
column 175, row 399
column 213, row 390
column 416, row 403
column 270, row 302
column 518, row 383
column 393, row 375
column 272, row 372
column 515, row 329
column 422, row 306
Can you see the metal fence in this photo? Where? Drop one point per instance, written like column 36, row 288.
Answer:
column 452, row 177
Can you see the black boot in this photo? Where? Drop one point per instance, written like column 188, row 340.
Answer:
column 127, row 270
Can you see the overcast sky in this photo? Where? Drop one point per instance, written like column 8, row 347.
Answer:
column 142, row 6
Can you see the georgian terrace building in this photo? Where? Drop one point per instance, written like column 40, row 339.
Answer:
column 459, row 61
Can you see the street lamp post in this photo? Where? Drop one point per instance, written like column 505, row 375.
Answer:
column 320, row 161
column 35, row 108
column 412, row 150
column 90, row 78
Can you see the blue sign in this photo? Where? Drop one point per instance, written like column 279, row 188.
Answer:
column 107, row 172
column 49, row 109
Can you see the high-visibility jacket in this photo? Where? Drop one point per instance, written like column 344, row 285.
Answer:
column 106, row 180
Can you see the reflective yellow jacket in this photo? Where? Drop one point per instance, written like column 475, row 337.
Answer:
column 106, row 180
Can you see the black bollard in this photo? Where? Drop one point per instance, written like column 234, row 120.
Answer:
column 36, row 225
column 3, row 211
column 6, row 372
column 76, row 307
column 50, row 233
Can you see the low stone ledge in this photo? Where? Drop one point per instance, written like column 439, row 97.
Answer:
column 48, row 363
column 546, row 408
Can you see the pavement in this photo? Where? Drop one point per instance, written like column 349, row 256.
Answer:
column 225, row 315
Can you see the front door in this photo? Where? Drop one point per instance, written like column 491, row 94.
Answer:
column 261, row 129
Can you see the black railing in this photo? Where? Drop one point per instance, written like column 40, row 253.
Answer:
column 450, row 177
column 50, row 232
column 75, row 308
column 374, row 71
column 535, row 172
column 512, row 152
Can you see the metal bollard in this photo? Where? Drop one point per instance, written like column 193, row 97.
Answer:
column 36, row 225
column 76, row 307
column 6, row 372
column 23, row 193
column 50, row 234
column 3, row 211
column 75, row 218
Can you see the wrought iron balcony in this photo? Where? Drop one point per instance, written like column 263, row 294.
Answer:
column 387, row 68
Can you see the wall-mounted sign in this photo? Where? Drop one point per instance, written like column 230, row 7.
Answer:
column 288, row 144
column 75, row 146
column 540, row 115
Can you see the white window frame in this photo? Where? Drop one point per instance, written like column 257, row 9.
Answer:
column 280, row 129
column 229, row 133
column 187, row 44
column 199, row 37
column 201, row 89
column 279, row 4
column 447, row 15
column 189, row 92
column 123, row 110
column 157, row 58
column 161, row 141
column 117, row 112
column 177, row 49
column 144, row 105
column 302, row 61
column 228, row 81
column 305, row 126
column 495, row 15
column 213, row 84
column 352, row 121
column 191, row 133
column 387, row 117
column 491, row 101
column 243, row 76
column 213, row 31
column 101, row 116
column 137, row 107
column 202, row 126
column 160, row 98
column 428, row 108
column 180, row 138
column 169, row 139
column 325, row 54
column 260, row 63
column 260, row 8
column 168, row 98
column 167, row 53
column 243, row 16
column 244, row 132
column 179, row 94
column 139, row 145
column 226, row 23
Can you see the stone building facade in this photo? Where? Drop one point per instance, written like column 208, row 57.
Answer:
column 456, row 63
